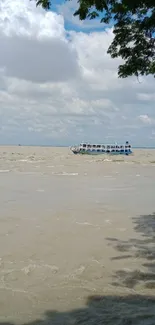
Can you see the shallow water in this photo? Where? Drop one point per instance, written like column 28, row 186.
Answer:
column 76, row 232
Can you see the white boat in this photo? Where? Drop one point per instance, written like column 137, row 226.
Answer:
column 99, row 149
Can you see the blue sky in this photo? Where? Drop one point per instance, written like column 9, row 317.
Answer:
column 67, row 8
column 58, row 86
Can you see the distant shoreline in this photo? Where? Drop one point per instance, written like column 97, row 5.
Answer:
column 60, row 146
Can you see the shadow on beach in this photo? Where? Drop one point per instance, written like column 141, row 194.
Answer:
column 143, row 249
column 114, row 309
column 108, row 310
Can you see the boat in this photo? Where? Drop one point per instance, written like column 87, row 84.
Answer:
column 99, row 149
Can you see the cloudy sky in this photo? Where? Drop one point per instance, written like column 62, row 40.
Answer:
column 58, row 86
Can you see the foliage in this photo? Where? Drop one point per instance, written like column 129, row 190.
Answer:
column 134, row 31
column 46, row 4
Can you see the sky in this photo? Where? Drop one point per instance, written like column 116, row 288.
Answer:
column 58, row 85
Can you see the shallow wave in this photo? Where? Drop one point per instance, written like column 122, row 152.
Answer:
column 31, row 267
column 64, row 174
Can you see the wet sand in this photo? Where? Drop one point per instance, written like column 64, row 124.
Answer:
column 76, row 232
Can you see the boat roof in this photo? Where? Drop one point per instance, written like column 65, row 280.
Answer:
column 104, row 144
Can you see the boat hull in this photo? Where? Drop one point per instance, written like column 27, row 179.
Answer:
column 95, row 153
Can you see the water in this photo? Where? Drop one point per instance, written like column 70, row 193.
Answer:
column 77, row 243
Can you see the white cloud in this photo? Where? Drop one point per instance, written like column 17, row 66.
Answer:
column 146, row 97
column 22, row 18
column 146, row 119
column 59, row 86
column 37, row 60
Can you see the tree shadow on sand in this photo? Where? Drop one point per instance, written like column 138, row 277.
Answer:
column 105, row 310
column 143, row 249
column 114, row 309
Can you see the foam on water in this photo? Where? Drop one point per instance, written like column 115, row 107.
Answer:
column 31, row 267
column 87, row 224
column 64, row 174
column 107, row 159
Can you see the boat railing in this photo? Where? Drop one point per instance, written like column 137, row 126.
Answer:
column 101, row 147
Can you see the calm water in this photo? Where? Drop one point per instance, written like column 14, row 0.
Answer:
column 77, row 243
